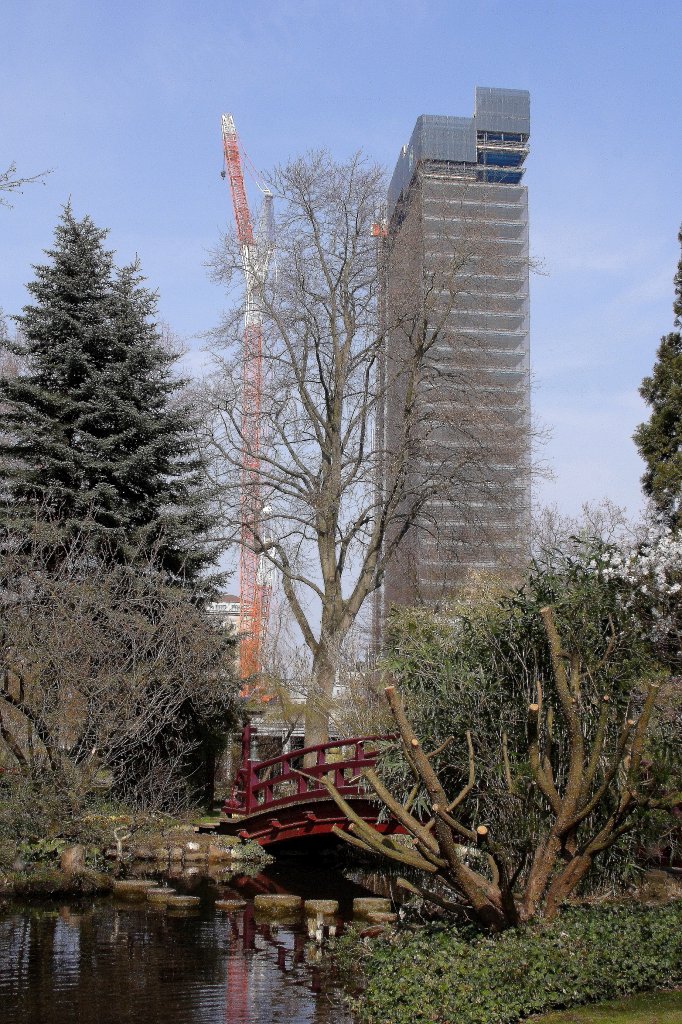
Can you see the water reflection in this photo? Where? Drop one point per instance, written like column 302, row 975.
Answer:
column 99, row 963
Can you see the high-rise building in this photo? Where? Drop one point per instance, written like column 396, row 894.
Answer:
column 456, row 272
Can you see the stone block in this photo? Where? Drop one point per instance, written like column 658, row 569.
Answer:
column 230, row 906
column 142, row 853
column 72, row 859
column 133, row 888
column 364, row 905
column 194, row 856
column 327, row 908
column 183, row 902
column 161, row 895
column 381, row 917
column 277, row 905
column 218, row 854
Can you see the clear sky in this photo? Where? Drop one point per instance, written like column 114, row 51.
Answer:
column 123, row 101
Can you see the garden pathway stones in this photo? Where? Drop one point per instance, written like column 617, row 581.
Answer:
column 365, row 905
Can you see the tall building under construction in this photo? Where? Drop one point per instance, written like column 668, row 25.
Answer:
column 455, row 268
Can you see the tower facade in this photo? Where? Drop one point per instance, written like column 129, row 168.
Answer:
column 455, row 280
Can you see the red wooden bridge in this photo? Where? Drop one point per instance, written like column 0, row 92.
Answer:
column 281, row 799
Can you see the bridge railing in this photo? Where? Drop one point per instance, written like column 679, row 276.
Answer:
column 261, row 785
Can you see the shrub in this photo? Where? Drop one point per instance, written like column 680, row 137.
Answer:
column 474, row 670
column 45, row 880
column 437, row 976
column 113, row 679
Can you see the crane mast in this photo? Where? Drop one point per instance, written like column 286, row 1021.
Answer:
column 255, row 574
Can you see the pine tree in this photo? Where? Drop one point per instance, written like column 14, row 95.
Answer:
column 659, row 441
column 100, row 436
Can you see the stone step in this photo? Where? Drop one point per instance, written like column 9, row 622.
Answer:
column 133, row 888
column 327, row 908
column 277, row 905
column 364, row 905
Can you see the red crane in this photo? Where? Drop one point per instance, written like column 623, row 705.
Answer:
column 255, row 570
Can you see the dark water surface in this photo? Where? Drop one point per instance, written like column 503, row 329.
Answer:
column 107, row 962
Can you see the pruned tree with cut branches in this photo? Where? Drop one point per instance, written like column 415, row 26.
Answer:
column 584, row 780
column 342, row 484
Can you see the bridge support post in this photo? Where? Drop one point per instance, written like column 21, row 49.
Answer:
column 248, row 737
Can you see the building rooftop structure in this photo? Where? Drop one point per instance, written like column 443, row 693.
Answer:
column 225, row 608
column 494, row 141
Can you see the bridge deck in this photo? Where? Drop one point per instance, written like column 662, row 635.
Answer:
column 282, row 798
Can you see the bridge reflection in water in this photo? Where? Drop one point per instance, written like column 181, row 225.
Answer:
column 98, row 963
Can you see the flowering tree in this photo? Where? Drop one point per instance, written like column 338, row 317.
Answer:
column 648, row 578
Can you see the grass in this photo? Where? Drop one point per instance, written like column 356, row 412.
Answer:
column 645, row 1008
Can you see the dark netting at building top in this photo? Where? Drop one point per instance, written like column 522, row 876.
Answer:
column 491, row 144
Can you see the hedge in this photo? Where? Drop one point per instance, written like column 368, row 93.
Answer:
column 436, row 976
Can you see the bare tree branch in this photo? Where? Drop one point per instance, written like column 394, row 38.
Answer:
column 10, row 183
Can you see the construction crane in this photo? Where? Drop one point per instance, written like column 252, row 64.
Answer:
column 255, row 570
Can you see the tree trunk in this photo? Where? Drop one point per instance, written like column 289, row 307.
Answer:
column 541, row 871
column 565, row 883
column 319, row 699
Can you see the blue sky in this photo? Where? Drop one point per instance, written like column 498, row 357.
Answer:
column 123, row 101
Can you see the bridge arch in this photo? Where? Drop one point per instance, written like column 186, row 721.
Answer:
column 274, row 802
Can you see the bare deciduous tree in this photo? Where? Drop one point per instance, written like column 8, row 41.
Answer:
column 354, row 709
column 106, row 672
column 365, row 427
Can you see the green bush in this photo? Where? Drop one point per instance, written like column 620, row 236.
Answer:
column 476, row 665
column 39, row 819
column 437, row 976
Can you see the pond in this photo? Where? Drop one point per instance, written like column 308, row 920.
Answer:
column 108, row 962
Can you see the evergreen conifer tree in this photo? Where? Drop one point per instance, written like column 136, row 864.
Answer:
column 97, row 433
column 659, row 441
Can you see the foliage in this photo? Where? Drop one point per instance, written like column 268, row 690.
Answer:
column 39, row 819
column 46, row 849
column 111, row 678
column 45, row 880
column 34, row 810
column 476, row 666
column 550, row 727
column 575, row 796
column 659, row 440
column 440, row 977
column 645, row 1008
column 96, row 427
